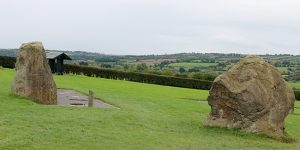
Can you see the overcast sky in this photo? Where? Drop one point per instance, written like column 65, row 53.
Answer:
column 153, row 26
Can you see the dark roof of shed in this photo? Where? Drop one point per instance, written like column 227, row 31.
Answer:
column 54, row 55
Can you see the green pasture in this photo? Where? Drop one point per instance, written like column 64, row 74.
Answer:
column 295, row 85
column 149, row 117
column 282, row 69
column 191, row 65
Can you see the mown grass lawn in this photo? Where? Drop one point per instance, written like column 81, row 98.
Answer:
column 297, row 104
column 150, row 117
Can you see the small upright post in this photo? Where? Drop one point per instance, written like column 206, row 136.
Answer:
column 91, row 98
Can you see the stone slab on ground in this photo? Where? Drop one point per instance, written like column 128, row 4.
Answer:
column 66, row 97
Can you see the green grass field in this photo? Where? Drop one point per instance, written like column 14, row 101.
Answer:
column 150, row 117
column 282, row 69
column 295, row 85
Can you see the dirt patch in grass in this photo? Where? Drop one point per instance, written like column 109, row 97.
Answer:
column 67, row 97
column 201, row 101
column 197, row 100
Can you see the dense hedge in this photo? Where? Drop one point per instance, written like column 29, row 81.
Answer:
column 7, row 62
column 297, row 94
column 138, row 77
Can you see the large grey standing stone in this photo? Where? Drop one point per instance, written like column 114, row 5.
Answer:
column 251, row 96
column 33, row 77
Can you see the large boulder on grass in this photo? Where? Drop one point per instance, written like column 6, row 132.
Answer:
column 33, row 77
column 251, row 96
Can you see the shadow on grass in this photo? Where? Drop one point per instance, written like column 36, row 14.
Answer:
column 236, row 132
column 13, row 95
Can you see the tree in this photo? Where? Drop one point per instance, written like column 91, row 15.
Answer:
column 286, row 63
column 221, row 64
column 126, row 67
column 194, row 69
column 82, row 63
column 106, row 65
column 181, row 70
column 163, row 64
column 141, row 67
column 167, row 73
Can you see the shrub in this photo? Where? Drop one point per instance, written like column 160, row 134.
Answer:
column 106, row 65
column 82, row 63
column 204, row 76
column 7, row 62
column 181, row 70
column 138, row 77
column 297, row 94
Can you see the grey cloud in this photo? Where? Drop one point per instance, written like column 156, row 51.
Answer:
column 153, row 26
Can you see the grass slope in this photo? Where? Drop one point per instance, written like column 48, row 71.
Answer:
column 150, row 117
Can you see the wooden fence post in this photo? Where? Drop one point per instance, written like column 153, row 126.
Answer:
column 91, row 98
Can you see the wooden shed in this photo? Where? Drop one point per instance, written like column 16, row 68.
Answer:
column 56, row 61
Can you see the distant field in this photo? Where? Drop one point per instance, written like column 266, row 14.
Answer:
column 282, row 69
column 150, row 117
column 191, row 65
column 295, row 85
column 295, row 59
column 153, row 61
column 289, row 58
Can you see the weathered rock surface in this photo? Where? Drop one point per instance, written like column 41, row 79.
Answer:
column 251, row 96
column 33, row 77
